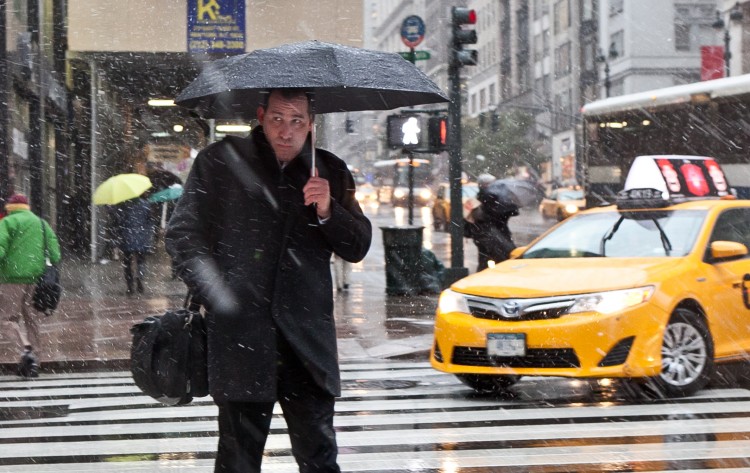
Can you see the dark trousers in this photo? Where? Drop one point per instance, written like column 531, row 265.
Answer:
column 140, row 267
column 308, row 411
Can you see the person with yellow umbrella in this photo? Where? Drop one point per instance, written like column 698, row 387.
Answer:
column 132, row 222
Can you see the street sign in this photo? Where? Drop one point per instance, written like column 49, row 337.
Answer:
column 412, row 31
column 418, row 55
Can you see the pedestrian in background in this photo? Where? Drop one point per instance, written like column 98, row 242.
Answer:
column 23, row 237
column 487, row 225
column 256, row 253
column 133, row 230
column 341, row 271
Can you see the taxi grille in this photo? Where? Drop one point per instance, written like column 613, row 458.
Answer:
column 535, row 358
column 519, row 310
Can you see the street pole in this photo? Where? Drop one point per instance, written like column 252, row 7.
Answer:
column 411, row 187
column 410, row 171
column 5, row 186
column 727, row 53
column 606, row 78
column 457, row 269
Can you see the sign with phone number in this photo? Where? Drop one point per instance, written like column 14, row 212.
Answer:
column 216, row 26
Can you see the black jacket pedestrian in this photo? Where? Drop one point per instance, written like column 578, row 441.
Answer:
column 487, row 225
column 263, row 248
column 133, row 226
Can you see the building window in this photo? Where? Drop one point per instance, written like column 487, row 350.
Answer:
column 562, row 60
column 493, row 97
column 483, row 100
column 562, row 16
column 616, row 7
column 587, row 10
column 681, row 36
column 692, row 26
column 617, row 41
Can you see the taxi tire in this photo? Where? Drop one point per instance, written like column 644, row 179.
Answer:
column 487, row 383
column 682, row 329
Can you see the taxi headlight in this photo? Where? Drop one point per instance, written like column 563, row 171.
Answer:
column 425, row 194
column 399, row 193
column 571, row 209
column 611, row 301
column 451, row 301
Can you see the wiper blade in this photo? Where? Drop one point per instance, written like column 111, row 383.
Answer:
column 664, row 239
column 608, row 236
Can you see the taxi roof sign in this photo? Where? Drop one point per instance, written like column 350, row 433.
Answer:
column 679, row 177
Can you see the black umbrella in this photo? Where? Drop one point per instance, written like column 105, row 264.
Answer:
column 162, row 179
column 522, row 192
column 342, row 78
column 505, row 196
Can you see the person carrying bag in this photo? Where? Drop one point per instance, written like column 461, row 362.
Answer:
column 25, row 246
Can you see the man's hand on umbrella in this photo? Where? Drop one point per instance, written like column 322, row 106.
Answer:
column 318, row 192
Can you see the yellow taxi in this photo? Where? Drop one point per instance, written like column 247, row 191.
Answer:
column 652, row 289
column 562, row 203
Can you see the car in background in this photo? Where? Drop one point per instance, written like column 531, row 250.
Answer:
column 400, row 196
column 367, row 195
column 654, row 290
column 441, row 207
column 562, row 203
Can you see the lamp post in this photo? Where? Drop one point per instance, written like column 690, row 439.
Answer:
column 601, row 58
column 735, row 15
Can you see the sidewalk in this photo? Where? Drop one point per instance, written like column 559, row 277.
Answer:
column 90, row 329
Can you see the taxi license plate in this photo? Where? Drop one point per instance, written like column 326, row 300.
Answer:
column 506, row 344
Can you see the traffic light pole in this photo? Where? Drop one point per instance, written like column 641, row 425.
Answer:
column 457, row 269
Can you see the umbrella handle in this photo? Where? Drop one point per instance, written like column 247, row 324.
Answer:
column 312, row 140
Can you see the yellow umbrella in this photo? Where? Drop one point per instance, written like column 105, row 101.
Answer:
column 120, row 188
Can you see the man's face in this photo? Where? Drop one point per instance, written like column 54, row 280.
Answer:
column 286, row 123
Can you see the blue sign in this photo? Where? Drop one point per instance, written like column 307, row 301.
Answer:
column 216, row 26
column 412, row 31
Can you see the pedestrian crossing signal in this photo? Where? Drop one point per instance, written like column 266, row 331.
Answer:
column 438, row 133
column 406, row 132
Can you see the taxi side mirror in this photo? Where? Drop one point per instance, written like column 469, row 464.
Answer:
column 516, row 252
column 724, row 250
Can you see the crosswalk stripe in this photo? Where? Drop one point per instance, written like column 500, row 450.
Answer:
column 392, row 417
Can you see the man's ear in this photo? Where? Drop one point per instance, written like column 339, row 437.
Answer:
column 259, row 113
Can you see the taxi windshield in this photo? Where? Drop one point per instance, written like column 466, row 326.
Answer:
column 622, row 234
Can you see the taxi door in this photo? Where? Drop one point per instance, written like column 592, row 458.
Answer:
column 730, row 312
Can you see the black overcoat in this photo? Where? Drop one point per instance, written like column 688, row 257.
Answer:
column 260, row 261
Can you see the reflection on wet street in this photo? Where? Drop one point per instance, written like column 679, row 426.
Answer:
column 93, row 321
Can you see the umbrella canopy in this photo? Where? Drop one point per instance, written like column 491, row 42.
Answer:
column 342, row 78
column 120, row 188
column 514, row 193
column 172, row 192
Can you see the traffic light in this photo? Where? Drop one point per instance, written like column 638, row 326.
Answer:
column 437, row 131
column 406, row 132
column 461, row 16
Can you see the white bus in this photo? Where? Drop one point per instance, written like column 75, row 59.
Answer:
column 710, row 118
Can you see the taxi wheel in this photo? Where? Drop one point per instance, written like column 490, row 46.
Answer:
column 687, row 353
column 488, row 384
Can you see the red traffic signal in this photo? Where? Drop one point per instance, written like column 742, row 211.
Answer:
column 464, row 16
column 437, row 131
column 461, row 16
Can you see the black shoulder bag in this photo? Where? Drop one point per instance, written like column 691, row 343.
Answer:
column 169, row 355
column 48, row 290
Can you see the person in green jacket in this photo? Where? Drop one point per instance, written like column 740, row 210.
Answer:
column 22, row 261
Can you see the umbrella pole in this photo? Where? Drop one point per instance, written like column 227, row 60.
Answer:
column 312, row 139
column 311, row 98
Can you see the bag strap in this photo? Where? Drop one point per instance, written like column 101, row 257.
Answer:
column 44, row 241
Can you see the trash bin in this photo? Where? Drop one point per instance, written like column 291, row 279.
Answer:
column 402, row 247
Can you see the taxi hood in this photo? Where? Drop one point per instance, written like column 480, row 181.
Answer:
column 552, row 277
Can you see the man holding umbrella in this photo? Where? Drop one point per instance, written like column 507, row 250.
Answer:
column 252, row 236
